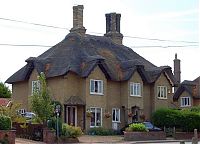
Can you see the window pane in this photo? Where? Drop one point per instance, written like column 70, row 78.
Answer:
column 92, row 86
column 117, row 115
column 113, row 115
column 98, row 116
column 96, row 86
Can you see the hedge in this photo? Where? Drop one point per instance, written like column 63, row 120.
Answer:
column 5, row 122
column 186, row 120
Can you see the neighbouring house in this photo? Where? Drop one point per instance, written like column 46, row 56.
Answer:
column 187, row 93
column 5, row 102
column 98, row 80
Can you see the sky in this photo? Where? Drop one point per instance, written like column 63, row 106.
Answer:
column 155, row 29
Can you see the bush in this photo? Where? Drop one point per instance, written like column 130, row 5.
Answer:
column 52, row 124
column 166, row 117
column 139, row 127
column 101, row 131
column 71, row 131
column 186, row 120
column 5, row 122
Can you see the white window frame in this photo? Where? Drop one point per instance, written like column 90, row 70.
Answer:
column 162, row 92
column 185, row 101
column 33, row 84
column 116, row 110
column 99, row 87
column 135, row 89
column 95, row 121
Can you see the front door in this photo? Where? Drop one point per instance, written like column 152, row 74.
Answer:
column 135, row 112
column 71, row 115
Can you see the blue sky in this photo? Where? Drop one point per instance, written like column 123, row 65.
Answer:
column 175, row 20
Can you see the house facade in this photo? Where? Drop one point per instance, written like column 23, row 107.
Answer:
column 98, row 80
column 188, row 94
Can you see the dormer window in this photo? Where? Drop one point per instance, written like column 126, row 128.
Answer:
column 135, row 89
column 185, row 101
column 162, row 92
column 96, row 87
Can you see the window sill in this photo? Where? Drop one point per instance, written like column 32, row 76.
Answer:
column 162, row 98
column 116, row 121
column 94, row 126
column 135, row 96
column 100, row 94
column 186, row 106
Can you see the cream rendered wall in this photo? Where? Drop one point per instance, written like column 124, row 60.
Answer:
column 96, row 100
column 113, row 100
column 128, row 101
column 158, row 102
column 20, row 94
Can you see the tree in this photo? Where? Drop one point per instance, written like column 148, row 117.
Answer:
column 41, row 102
column 4, row 91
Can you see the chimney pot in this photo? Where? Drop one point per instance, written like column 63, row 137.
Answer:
column 113, row 27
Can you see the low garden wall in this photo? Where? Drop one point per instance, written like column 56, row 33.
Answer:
column 7, row 136
column 185, row 135
column 140, row 136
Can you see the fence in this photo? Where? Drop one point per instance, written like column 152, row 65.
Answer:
column 29, row 131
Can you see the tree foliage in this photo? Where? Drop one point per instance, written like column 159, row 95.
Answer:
column 10, row 111
column 41, row 102
column 4, row 91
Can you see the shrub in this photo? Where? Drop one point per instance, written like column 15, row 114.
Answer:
column 71, row 131
column 5, row 122
column 166, row 117
column 187, row 119
column 101, row 131
column 52, row 124
column 140, row 127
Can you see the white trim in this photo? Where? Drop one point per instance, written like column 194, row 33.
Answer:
column 189, row 98
column 115, row 114
column 161, row 89
column 95, row 108
column 100, row 87
column 132, row 89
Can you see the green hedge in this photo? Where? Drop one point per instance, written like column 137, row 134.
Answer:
column 101, row 131
column 187, row 120
column 5, row 122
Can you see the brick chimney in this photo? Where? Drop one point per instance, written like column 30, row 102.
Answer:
column 78, row 20
column 177, row 70
column 113, row 27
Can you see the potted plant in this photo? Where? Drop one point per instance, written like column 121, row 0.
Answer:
column 142, row 117
column 107, row 114
column 130, row 114
column 88, row 113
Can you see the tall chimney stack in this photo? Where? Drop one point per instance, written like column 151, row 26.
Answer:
column 177, row 70
column 78, row 20
column 113, row 27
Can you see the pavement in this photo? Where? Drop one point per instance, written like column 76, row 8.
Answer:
column 87, row 139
